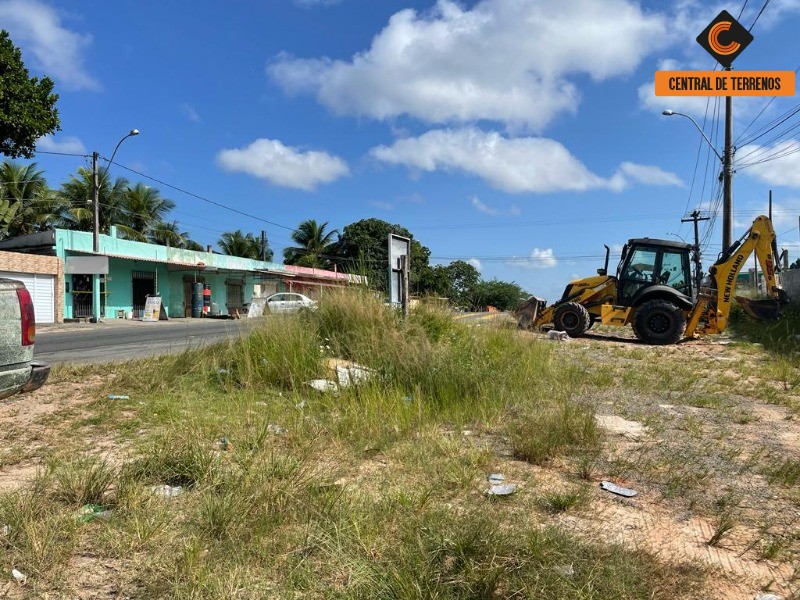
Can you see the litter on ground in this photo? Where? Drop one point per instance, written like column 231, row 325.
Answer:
column 167, row 491
column 502, row 490
column 618, row 490
column 19, row 576
column 558, row 336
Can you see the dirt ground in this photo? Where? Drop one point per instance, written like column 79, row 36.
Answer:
column 692, row 463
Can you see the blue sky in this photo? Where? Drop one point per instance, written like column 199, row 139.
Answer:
column 519, row 134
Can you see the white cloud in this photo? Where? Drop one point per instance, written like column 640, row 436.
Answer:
column 284, row 165
column 488, row 210
column 538, row 259
column 66, row 143
column 516, row 165
column 783, row 171
column 382, row 205
column 649, row 175
column 190, row 112
column 50, row 47
column 476, row 263
column 503, row 60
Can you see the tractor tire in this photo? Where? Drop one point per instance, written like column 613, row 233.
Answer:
column 659, row 322
column 572, row 318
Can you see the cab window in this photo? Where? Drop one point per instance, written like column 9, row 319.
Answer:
column 673, row 271
column 642, row 265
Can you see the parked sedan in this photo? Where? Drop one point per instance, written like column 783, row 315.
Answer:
column 288, row 302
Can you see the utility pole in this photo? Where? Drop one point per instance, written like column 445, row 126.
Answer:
column 96, row 204
column 698, row 266
column 96, row 300
column 770, row 206
column 263, row 246
column 727, row 176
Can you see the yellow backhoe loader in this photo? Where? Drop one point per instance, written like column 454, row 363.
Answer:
column 653, row 291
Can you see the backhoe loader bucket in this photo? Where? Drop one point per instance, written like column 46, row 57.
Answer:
column 760, row 310
column 529, row 311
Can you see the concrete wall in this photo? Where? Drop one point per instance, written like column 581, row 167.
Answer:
column 791, row 283
column 17, row 262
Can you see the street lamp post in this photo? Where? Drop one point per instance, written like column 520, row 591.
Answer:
column 727, row 171
column 96, row 304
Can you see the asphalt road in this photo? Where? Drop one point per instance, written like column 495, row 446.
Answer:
column 114, row 341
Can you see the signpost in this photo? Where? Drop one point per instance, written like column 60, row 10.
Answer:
column 152, row 309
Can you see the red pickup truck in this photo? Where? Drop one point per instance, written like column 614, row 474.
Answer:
column 18, row 372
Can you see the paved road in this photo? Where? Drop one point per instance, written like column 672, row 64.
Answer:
column 116, row 341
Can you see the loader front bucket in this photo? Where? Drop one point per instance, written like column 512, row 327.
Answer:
column 760, row 310
column 529, row 311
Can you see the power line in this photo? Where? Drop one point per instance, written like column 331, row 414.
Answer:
column 63, row 153
column 758, row 16
column 199, row 197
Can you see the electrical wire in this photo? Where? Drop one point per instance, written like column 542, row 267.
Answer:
column 758, row 16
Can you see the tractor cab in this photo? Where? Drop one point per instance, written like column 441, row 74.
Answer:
column 648, row 265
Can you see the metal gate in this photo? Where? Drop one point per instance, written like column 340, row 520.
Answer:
column 234, row 295
column 81, row 296
column 144, row 285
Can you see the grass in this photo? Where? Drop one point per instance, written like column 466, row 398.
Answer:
column 377, row 490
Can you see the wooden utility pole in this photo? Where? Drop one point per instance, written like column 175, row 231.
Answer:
column 698, row 265
column 263, row 246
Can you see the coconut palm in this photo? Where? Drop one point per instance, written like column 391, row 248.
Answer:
column 141, row 208
column 37, row 206
column 77, row 193
column 236, row 243
column 167, row 233
column 313, row 245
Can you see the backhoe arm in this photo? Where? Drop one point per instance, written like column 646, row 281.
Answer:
column 716, row 304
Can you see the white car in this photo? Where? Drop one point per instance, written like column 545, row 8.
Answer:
column 287, row 302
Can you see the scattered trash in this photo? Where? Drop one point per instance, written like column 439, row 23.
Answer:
column 496, row 478
column 167, row 491
column 408, row 399
column 559, row 336
column 5, row 530
column 21, row 577
column 224, row 444
column 222, row 371
column 276, row 429
column 118, row 397
column 90, row 512
column 767, row 597
column 565, row 570
column 618, row 490
column 502, row 490
column 300, row 405
column 262, row 403
column 323, row 385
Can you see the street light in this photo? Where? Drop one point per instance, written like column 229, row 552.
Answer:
column 96, row 233
column 669, row 113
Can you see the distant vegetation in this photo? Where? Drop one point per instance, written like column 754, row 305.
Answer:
column 139, row 212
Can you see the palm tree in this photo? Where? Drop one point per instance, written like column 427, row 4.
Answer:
column 37, row 206
column 77, row 193
column 167, row 233
column 236, row 243
column 313, row 244
column 141, row 208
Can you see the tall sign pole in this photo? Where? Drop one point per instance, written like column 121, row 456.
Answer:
column 727, row 177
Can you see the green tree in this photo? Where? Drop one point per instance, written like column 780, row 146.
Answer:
column 27, row 104
column 167, row 233
column 38, row 207
column 314, row 245
column 77, row 194
column 363, row 246
column 500, row 294
column 795, row 264
column 7, row 213
column 463, row 279
column 236, row 243
column 434, row 281
column 140, row 208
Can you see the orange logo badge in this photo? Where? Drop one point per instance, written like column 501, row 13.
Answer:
column 725, row 38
